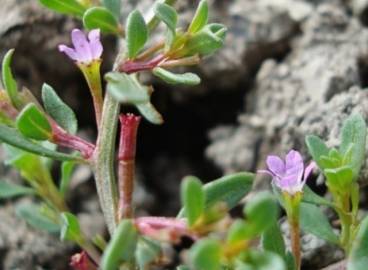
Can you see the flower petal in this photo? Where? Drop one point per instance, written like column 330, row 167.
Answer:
column 70, row 52
column 81, row 46
column 308, row 170
column 294, row 165
column 276, row 165
column 95, row 43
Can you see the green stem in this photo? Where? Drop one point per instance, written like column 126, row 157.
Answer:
column 92, row 75
column 292, row 207
column 104, row 162
column 295, row 237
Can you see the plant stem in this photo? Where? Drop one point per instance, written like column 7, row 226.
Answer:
column 104, row 162
column 295, row 241
column 292, row 206
column 127, row 150
column 62, row 138
column 92, row 75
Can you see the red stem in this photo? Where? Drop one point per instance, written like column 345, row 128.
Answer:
column 62, row 138
column 126, row 170
column 132, row 66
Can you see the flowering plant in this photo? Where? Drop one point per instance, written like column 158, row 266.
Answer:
column 33, row 134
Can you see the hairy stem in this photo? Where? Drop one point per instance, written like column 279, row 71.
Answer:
column 104, row 162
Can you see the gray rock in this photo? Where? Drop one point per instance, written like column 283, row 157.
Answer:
column 317, row 86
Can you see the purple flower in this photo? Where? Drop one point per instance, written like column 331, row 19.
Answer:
column 289, row 175
column 85, row 50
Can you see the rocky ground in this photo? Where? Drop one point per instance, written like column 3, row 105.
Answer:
column 289, row 68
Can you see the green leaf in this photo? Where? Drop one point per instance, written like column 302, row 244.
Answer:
column 121, row 247
column 147, row 252
column 70, row 229
column 206, row 255
column 172, row 78
column 136, row 33
column 32, row 214
column 309, row 196
column 200, row 18
column 9, row 190
column 312, row 220
column 9, row 83
column 168, row 15
column 114, row 6
column 207, row 41
column 354, row 132
column 32, row 123
column 66, row 175
column 238, row 231
column 257, row 260
column 229, row 189
column 358, row 259
column 150, row 113
column 69, row 7
column 317, row 148
column 339, row 178
column 58, row 110
column 126, row 88
column 290, row 261
column 193, row 198
column 272, row 240
column 12, row 137
column 101, row 18
column 261, row 212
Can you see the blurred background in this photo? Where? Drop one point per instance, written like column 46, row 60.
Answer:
column 288, row 68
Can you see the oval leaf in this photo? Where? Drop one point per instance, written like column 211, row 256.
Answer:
column 172, row 78
column 114, row 6
column 168, row 15
column 353, row 134
column 207, row 41
column 32, row 123
column 273, row 240
column 313, row 221
column 9, row 190
column 9, row 83
column 262, row 261
column 317, row 148
column 200, row 18
column 58, row 110
column 32, row 214
column 121, row 247
column 70, row 229
column 261, row 212
column 101, row 18
column 229, row 189
column 136, row 33
column 126, row 88
column 147, row 252
column 206, row 255
column 193, row 198
column 150, row 113
column 12, row 137
column 70, row 7
column 358, row 259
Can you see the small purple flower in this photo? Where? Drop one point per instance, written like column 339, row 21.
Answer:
column 289, row 175
column 85, row 50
